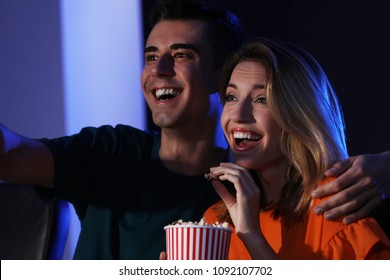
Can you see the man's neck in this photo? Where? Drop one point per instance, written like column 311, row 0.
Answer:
column 192, row 152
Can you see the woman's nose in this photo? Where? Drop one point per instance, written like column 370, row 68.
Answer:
column 243, row 112
column 164, row 66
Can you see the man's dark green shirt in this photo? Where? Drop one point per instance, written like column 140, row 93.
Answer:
column 122, row 193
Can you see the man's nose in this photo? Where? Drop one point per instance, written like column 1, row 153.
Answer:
column 164, row 66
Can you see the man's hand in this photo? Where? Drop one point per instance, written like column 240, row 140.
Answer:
column 362, row 183
column 163, row 256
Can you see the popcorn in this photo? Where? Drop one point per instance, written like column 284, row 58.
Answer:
column 202, row 222
column 209, row 176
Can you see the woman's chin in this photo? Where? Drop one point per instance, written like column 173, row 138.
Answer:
column 245, row 162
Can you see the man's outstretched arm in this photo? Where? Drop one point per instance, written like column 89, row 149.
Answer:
column 24, row 160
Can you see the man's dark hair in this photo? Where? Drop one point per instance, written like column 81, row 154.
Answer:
column 226, row 31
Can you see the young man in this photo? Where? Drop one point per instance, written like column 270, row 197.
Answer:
column 126, row 184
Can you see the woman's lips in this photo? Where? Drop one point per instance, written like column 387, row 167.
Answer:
column 244, row 139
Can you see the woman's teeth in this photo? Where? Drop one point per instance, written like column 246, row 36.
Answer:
column 245, row 135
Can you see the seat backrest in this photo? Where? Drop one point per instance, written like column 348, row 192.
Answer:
column 30, row 228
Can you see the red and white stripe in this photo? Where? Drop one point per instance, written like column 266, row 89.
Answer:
column 197, row 242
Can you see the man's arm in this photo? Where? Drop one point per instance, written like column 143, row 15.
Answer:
column 362, row 184
column 24, row 160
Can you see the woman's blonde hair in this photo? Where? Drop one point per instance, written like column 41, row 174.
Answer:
column 307, row 109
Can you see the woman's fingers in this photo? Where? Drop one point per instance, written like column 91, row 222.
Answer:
column 245, row 206
column 225, row 195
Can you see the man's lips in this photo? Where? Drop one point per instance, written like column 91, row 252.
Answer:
column 165, row 94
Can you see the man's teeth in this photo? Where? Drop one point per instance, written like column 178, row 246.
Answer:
column 166, row 92
column 245, row 135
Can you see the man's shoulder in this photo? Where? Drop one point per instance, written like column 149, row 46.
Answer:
column 128, row 130
column 121, row 133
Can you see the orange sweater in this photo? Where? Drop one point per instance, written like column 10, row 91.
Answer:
column 315, row 238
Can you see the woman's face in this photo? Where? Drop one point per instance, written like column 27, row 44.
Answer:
column 252, row 132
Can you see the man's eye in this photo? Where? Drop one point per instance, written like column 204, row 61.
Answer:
column 181, row 55
column 151, row 57
column 230, row 97
column 261, row 99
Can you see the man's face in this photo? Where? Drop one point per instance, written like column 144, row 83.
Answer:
column 179, row 74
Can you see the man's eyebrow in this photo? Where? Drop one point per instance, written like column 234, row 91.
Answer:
column 185, row 46
column 173, row 47
column 150, row 49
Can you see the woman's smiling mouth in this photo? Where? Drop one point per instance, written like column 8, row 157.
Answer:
column 244, row 139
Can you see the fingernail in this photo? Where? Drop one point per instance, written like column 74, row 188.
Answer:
column 332, row 169
column 318, row 210
column 328, row 216
column 314, row 195
column 347, row 221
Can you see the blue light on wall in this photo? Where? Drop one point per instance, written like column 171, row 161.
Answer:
column 102, row 49
column 102, row 45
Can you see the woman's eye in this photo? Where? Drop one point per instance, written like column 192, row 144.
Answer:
column 261, row 99
column 230, row 97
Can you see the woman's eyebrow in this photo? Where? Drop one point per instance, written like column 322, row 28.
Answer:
column 259, row 86
column 256, row 86
column 232, row 85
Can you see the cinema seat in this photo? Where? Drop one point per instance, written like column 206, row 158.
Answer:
column 31, row 229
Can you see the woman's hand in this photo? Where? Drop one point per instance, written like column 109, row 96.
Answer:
column 362, row 183
column 244, row 208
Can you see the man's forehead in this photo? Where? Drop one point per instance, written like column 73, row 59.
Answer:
column 167, row 33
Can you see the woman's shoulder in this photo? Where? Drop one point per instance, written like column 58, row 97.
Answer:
column 338, row 240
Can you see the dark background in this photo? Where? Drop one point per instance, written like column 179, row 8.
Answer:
column 350, row 41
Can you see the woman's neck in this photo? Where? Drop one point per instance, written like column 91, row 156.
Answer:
column 273, row 179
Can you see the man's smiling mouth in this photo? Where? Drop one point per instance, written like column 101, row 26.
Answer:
column 166, row 93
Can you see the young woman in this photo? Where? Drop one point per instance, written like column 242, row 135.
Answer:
column 285, row 127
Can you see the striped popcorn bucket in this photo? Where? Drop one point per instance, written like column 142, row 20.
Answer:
column 191, row 242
